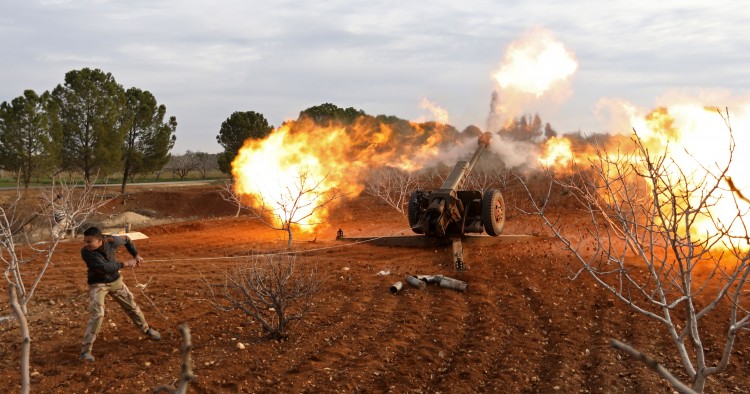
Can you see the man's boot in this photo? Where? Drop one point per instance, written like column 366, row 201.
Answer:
column 153, row 334
column 86, row 356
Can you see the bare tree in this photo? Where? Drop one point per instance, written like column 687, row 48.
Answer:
column 393, row 186
column 503, row 179
column 159, row 171
column 28, row 234
column 182, row 165
column 436, row 176
column 206, row 162
column 482, row 180
column 268, row 291
column 295, row 205
column 646, row 208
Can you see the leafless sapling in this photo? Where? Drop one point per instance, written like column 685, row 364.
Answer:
column 270, row 290
column 393, row 186
column 646, row 246
column 29, row 237
column 295, row 205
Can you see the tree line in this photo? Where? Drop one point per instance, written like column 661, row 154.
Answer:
column 90, row 125
column 93, row 126
column 241, row 126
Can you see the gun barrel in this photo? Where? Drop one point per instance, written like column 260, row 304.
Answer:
column 477, row 153
column 462, row 169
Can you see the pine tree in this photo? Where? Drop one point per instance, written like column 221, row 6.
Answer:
column 235, row 130
column 148, row 138
column 93, row 129
column 28, row 136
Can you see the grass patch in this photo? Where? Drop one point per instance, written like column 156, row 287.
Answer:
column 9, row 181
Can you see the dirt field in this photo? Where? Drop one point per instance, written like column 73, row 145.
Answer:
column 521, row 326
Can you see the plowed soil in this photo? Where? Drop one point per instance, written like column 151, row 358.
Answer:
column 522, row 326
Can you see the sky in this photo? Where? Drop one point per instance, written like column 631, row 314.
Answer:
column 205, row 60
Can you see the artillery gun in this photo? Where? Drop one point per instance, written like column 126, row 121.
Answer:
column 449, row 212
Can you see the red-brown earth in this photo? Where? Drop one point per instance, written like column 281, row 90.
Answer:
column 521, row 326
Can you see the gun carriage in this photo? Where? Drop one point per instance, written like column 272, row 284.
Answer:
column 450, row 212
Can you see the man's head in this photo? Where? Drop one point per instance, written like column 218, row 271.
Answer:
column 92, row 238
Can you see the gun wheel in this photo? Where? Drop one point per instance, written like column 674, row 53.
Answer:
column 415, row 209
column 493, row 212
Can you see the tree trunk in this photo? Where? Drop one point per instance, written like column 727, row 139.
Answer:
column 125, row 174
column 25, row 339
column 282, row 322
column 289, row 239
column 700, row 382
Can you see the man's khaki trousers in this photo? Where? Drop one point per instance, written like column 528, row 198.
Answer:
column 120, row 293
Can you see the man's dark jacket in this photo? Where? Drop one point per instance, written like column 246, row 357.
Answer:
column 101, row 262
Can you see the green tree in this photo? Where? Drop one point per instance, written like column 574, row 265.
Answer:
column 235, row 130
column 28, row 135
column 93, row 128
column 148, row 138
column 330, row 113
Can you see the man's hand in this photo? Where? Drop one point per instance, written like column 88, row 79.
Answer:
column 130, row 263
column 138, row 260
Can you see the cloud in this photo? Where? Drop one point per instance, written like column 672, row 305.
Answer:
column 72, row 58
column 208, row 57
column 205, row 60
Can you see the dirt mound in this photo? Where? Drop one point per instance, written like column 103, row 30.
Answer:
column 127, row 218
column 188, row 202
column 154, row 206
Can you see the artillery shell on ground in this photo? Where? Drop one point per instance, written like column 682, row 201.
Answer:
column 453, row 284
column 415, row 282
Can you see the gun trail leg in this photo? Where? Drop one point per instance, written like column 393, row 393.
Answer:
column 458, row 254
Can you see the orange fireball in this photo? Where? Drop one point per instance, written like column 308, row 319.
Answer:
column 279, row 171
column 557, row 153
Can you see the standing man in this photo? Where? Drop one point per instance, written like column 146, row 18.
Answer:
column 104, row 278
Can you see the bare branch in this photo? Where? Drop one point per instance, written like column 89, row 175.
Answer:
column 230, row 195
column 652, row 364
column 186, row 374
